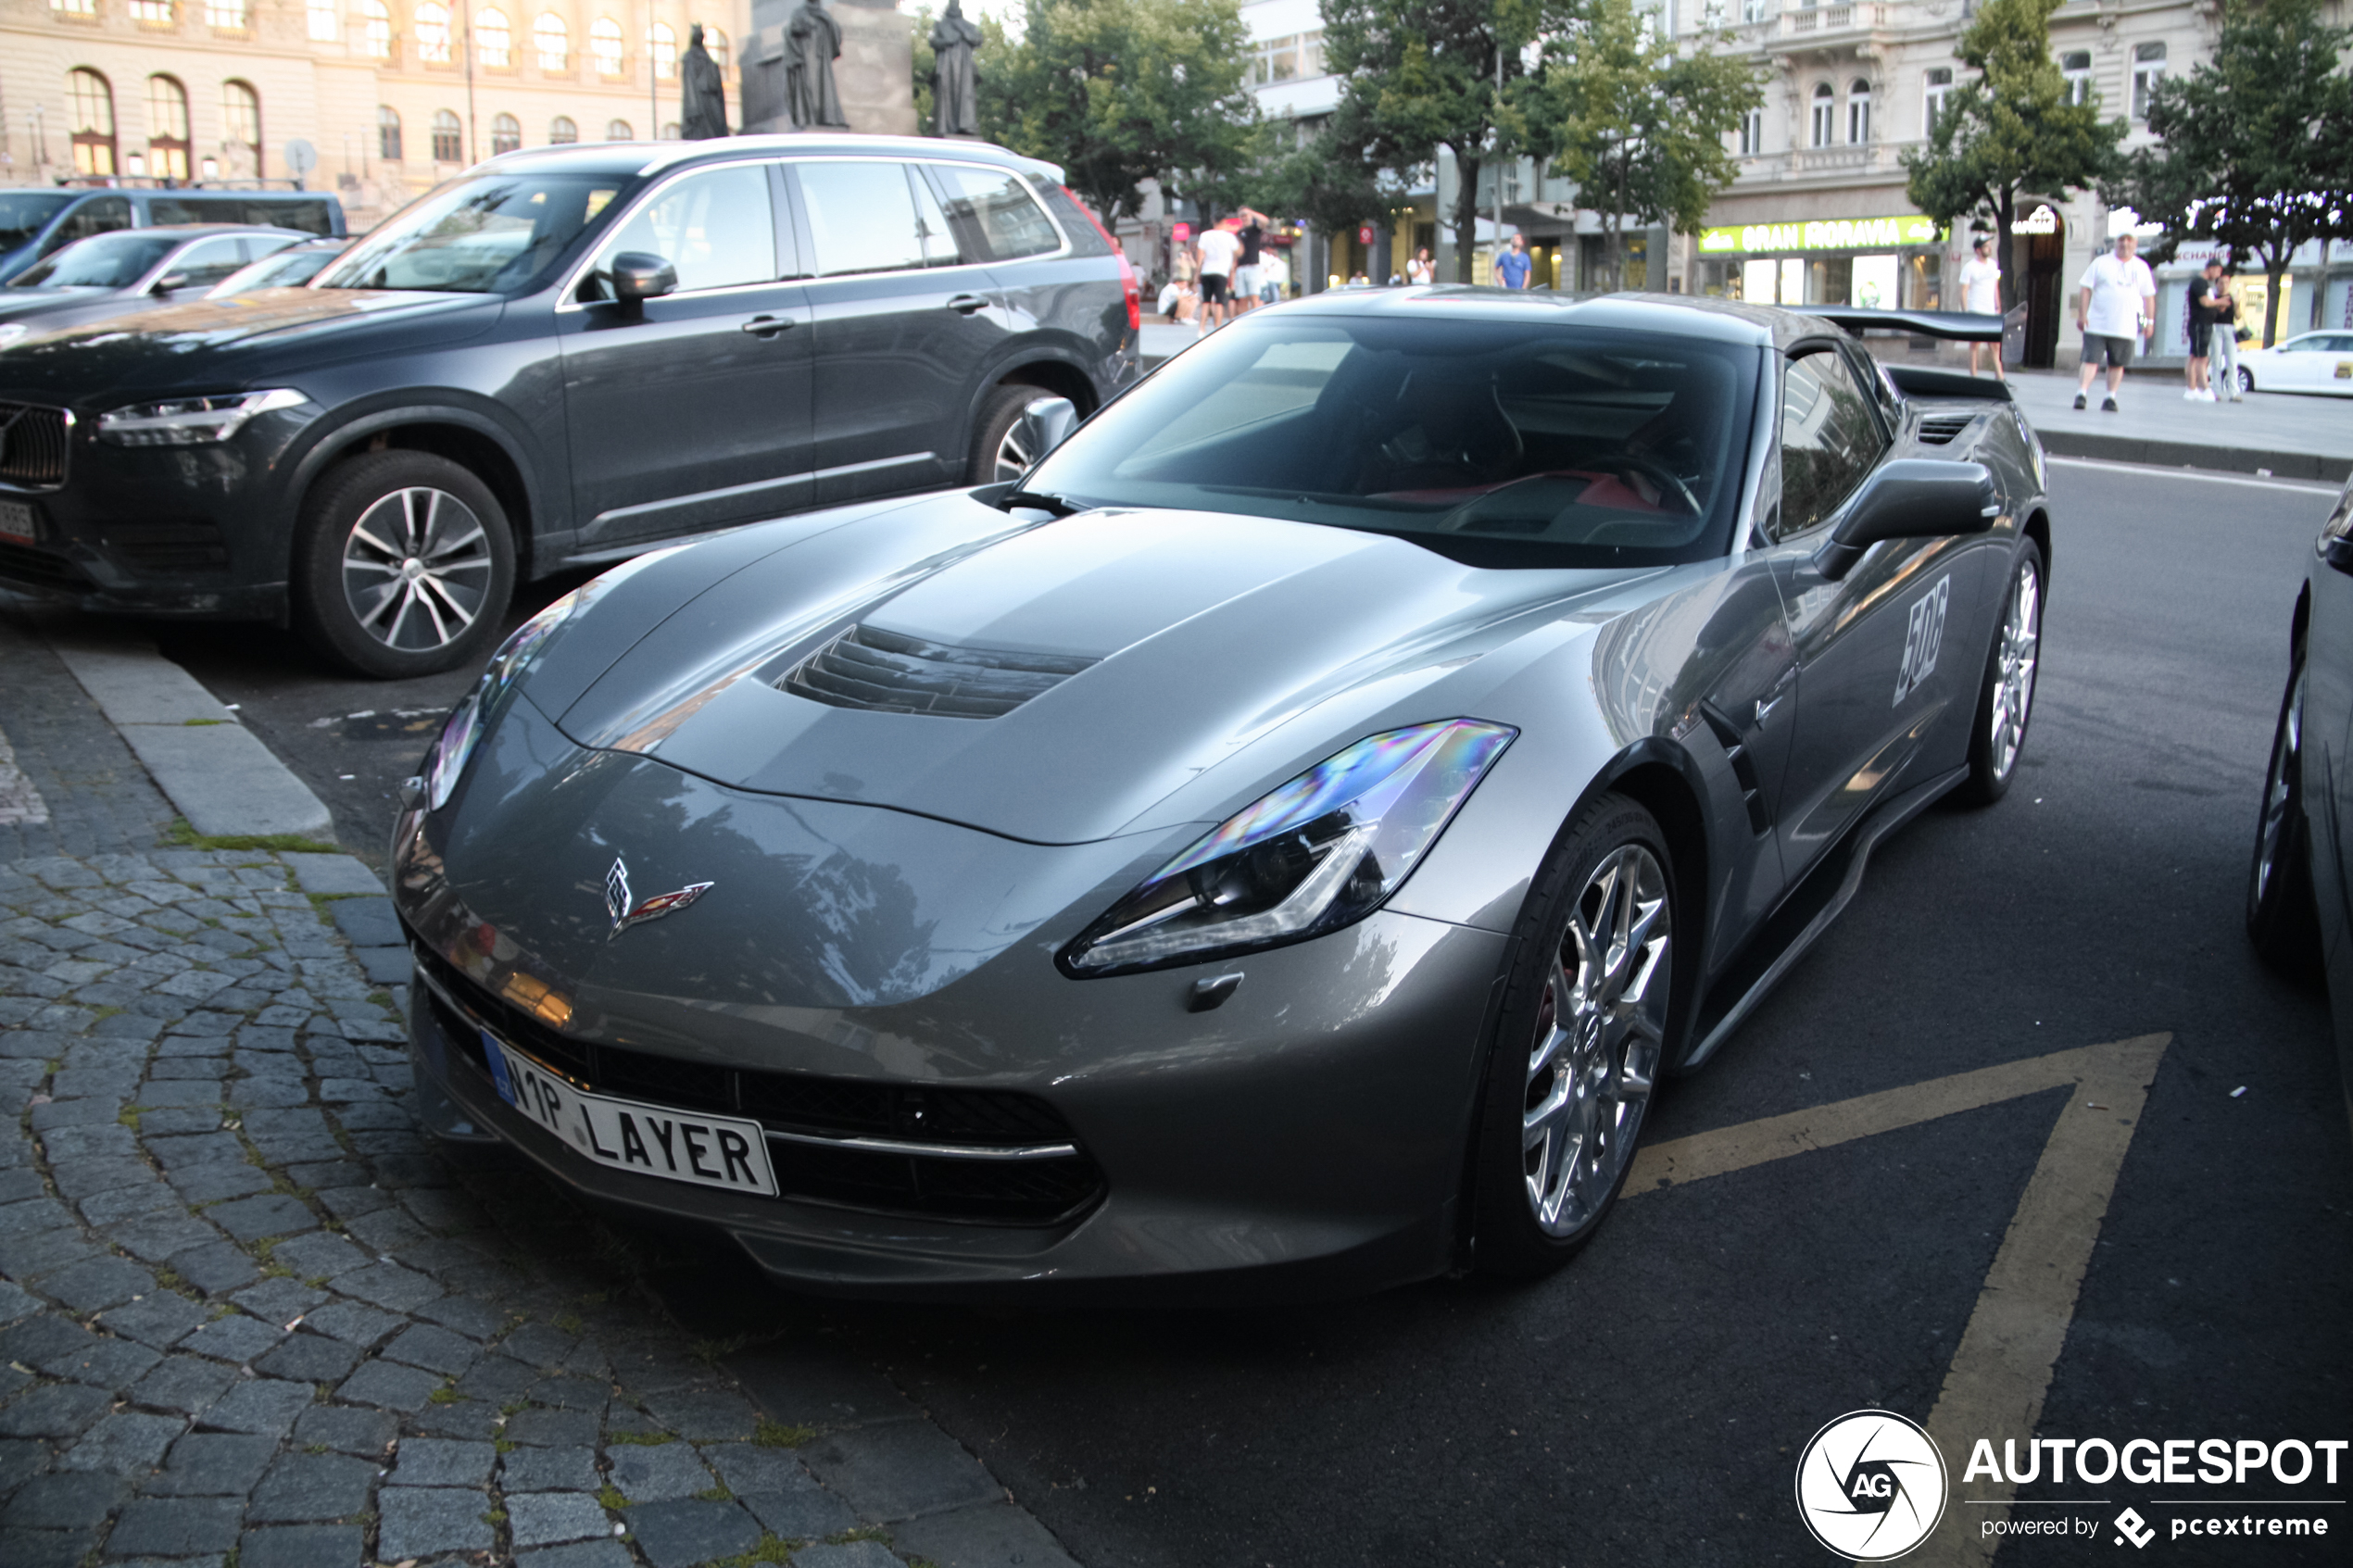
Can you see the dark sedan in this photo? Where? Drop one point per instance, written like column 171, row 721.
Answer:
column 565, row 357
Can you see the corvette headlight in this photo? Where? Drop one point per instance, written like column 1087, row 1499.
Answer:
column 1318, row 853
column 192, row 422
column 480, row 708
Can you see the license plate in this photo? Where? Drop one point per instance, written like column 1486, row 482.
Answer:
column 652, row 1140
column 20, row 522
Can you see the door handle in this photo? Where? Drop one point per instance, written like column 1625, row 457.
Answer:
column 766, row 326
column 1765, row 708
column 965, row 303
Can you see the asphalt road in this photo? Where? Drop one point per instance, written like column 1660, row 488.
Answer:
column 1648, row 1405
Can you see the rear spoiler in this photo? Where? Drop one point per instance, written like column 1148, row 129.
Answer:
column 1957, row 326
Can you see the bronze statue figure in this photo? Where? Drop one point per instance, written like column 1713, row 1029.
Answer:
column 702, row 109
column 955, row 81
column 812, row 42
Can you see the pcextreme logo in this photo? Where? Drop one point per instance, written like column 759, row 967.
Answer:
column 1871, row 1486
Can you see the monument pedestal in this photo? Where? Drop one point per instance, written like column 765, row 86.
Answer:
column 876, row 75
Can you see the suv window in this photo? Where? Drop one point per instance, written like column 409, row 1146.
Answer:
column 309, row 216
column 208, row 261
column 1828, row 439
column 103, row 214
column 716, row 227
column 994, row 217
column 874, row 218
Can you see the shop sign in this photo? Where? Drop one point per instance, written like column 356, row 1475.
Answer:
column 1365, row 233
column 2042, row 220
column 1820, row 234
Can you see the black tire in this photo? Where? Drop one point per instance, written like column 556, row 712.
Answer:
column 1995, row 747
column 1538, row 1069
column 447, row 565
column 2246, row 379
column 991, row 448
column 2283, row 918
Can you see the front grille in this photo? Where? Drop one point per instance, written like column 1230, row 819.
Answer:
column 944, row 1186
column 886, row 672
column 32, row 444
column 21, row 565
column 155, row 549
column 1939, row 429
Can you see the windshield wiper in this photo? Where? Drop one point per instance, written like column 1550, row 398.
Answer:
column 1058, row 504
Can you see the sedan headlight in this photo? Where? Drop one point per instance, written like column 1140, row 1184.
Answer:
column 1322, row 852
column 192, row 422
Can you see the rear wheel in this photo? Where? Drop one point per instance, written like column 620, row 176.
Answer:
column 2282, row 917
column 1001, row 447
column 1587, row 1017
column 2006, row 697
column 2246, row 379
column 403, row 565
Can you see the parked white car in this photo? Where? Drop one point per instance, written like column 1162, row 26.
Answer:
column 2310, row 362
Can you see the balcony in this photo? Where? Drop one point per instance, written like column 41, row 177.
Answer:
column 1813, row 25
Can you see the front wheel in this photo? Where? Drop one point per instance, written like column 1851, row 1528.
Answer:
column 2246, row 379
column 2006, row 697
column 1588, row 1015
column 2282, row 918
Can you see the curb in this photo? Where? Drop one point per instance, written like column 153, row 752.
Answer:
column 220, row 775
column 2191, row 455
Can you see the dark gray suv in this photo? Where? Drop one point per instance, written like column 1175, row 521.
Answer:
column 565, row 357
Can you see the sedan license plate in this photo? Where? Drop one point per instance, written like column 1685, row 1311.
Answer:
column 20, row 523
column 651, row 1140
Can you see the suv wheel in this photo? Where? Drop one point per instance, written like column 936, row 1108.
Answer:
column 1000, row 455
column 403, row 565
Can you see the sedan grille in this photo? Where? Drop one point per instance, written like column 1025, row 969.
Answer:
column 814, row 1117
column 883, row 671
column 32, row 444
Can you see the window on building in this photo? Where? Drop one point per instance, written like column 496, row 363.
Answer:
column 552, row 38
column 2148, row 70
column 241, row 127
column 618, row 130
column 663, row 46
column 388, row 134
column 2075, row 74
column 91, row 101
column 714, row 44
column 1938, row 88
column 157, row 13
column 669, row 130
column 226, row 16
column 449, row 138
column 1752, row 132
column 321, row 13
column 1825, row 125
column 375, row 22
column 74, row 8
column 604, row 44
column 1858, row 112
column 1275, row 59
column 494, row 40
column 506, row 134
column 562, row 132
column 167, row 127
column 432, row 33
column 1756, row 11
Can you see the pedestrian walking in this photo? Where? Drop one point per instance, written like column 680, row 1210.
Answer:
column 1249, row 275
column 1216, row 250
column 1512, row 266
column 2115, row 305
column 1982, row 296
column 1274, row 277
column 2222, row 358
column 1421, row 270
column 2200, row 306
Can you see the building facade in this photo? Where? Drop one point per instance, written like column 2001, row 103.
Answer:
column 388, row 96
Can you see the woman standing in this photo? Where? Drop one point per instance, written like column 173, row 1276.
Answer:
column 2224, row 307
column 1419, row 269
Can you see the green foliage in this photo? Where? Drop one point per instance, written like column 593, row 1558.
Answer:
column 1119, row 92
column 181, row 836
column 640, row 1440
column 609, row 1497
column 2256, row 145
column 2009, row 130
column 776, row 1435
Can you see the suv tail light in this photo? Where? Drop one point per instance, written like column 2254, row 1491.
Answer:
column 1127, row 274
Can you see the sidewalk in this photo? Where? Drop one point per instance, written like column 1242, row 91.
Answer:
column 250, row 1313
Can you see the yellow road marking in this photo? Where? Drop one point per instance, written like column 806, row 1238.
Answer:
column 2002, row 1370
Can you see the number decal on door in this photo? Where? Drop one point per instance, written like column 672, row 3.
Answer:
column 1922, row 638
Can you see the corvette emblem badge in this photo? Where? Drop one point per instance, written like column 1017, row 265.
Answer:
column 625, row 913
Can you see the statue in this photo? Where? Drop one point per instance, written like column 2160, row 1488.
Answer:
column 702, row 109
column 955, row 81
column 812, row 42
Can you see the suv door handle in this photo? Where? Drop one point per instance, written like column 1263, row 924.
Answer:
column 965, row 303
column 766, row 326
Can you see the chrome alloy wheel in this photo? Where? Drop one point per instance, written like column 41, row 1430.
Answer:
column 1016, row 451
column 416, row 568
column 2279, row 794
column 2022, row 648
column 1599, row 1030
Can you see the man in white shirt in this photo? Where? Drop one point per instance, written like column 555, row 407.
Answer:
column 1218, row 249
column 1982, row 294
column 2115, row 307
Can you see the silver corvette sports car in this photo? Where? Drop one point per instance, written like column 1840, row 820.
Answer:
column 1277, row 841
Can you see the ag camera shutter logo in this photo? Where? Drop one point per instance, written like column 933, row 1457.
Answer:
column 1871, row 1486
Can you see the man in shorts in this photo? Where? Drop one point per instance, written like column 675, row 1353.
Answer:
column 1982, row 296
column 1248, row 270
column 1218, row 250
column 2115, row 305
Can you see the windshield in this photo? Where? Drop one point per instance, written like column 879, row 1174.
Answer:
column 493, row 234
column 24, row 212
column 287, row 270
column 102, row 261
column 1496, row 444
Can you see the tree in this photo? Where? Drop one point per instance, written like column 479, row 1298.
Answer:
column 1639, row 124
column 2010, row 131
column 1119, row 92
column 1423, row 74
column 2256, row 145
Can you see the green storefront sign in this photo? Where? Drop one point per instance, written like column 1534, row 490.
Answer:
column 1819, row 234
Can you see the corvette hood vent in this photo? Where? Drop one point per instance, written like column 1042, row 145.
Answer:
column 1938, row 430
column 886, row 672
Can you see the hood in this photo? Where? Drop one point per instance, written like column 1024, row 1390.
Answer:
column 17, row 305
column 1077, row 676
column 216, row 345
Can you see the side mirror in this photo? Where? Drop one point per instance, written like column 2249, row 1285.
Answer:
column 638, row 276
column 1910, row 498
column 1044, row 425
column 170, row 282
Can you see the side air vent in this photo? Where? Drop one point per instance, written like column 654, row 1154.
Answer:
column 883, row 671
column 1743, row 767
column 1939, row 429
